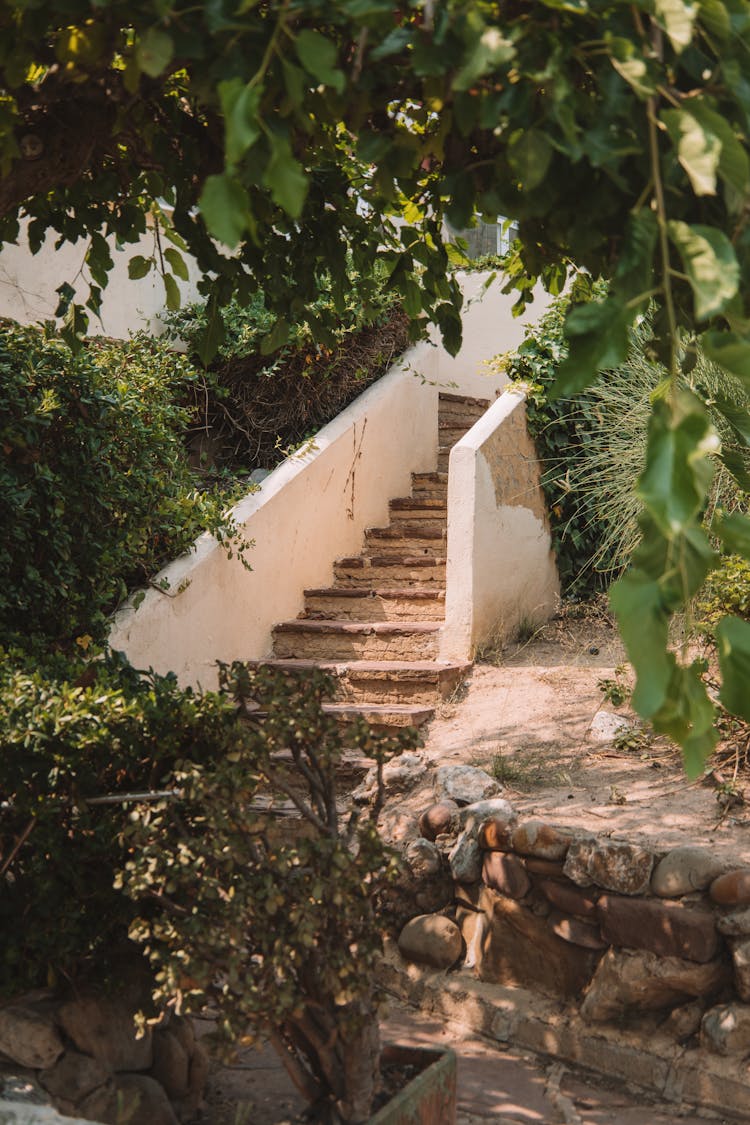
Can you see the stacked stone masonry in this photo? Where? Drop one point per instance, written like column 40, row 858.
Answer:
column 84, row 1056
column 618, row 934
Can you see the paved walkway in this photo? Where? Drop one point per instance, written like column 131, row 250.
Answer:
column 495, row 1087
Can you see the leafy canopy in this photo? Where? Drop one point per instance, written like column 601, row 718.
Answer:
column 270, row 139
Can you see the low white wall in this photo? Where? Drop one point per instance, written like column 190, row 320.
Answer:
column 501, row 571
column 311, row 510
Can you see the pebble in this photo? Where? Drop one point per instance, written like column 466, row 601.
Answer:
column 732, row 889
column 684, row 870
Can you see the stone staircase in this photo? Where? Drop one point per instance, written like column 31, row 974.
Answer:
column 377, row 628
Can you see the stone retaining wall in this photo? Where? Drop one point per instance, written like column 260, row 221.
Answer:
column 83, row 1056
column 616, row 934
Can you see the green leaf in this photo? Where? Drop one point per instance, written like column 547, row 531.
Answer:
column 734, row 462
column 177, row 262
column 490, row 49
column 318, row 56
column 677, row 19
column 65, row 293
column 294, row 82
column 286, row 177
column 730, row 351
column 698, row 150
column 736, row 415
column 239, row 103
column 710, row 263
column 529, row 155
column 715, row 18
column 154, row 52
column 598, row 339
column 679, row 470
column 276, row 338
column 630, row 65
column 225, row 207
column 734, row 531
column 174, row 300
column 644, row 626
column 634, row 273
column 138, row 266
column 688, row 716
column 214, row 334
column 733, row 642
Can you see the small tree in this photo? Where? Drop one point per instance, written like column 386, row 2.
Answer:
column 272, row 919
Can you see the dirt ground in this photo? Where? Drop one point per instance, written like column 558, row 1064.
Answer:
column 526, row 715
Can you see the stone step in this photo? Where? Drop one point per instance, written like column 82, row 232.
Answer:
column 390, row 571
column 349, row 640
column 375, row 605
column 420, row 507
column 444, row 452
column 446, row 400
column 449, row 435
column 407, row 538
column 384, row 718
column 429, row 484
column 383, row 681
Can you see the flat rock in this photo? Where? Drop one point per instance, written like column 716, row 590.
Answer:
column 505, row 873
column 606, row 725
column 399, row 773
column 725, row 1030
column 626, row 982
column 569, row 898
column 732, row 889
column 431, row 939
column 741, row 962
column 437, row 819
column 104, row 1027
column 734, row 924
column 611, row 864
column 518, row 948
column 465, row 784
column 465, row 858
column 668, row 929
column 424, row 859
column 685, row 870
column 29, row 1037
column 74, row 1076
column 537, row 838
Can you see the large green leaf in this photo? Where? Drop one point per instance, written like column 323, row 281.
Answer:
column 734, row 531
column 598, row 339
column 679, row 469
column 698, row 149
column 489, row 49
column 710, row 264
column 225, row 208
column 634, row 276
column 733, row 641
column 240, row 103
column 630, row 64
column 688, row 716
column 318, row 56
column 729, row 350
column 644, row 626
column 285, row 177
column 154, row 52
column 529, row 155
column 677, row 19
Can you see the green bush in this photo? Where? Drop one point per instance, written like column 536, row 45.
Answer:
column 593, row 447
column 96, row 493
column 69, row 731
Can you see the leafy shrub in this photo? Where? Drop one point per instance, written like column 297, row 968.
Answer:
column 250, row 409
column 71, row 731
column 593, row 447
column 96, row 493
column 272, row 920
column 726, row 591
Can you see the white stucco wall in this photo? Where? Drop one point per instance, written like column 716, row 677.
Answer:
column 500, row 571
column 28, row 284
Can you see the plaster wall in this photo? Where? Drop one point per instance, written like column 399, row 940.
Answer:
column 28, row 283
column 501, row 569
column 310, row 510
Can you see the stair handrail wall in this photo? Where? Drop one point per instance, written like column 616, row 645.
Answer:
column 501, row 576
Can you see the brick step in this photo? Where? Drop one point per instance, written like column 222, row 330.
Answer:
column 444, row 452
column 349, row 640
column 447, row 399
column 375, row 605
column 384, row 718
column 390, row 571
column 421, row 507
column 383, row 681
column 432, row 486
column 449, row 435
column 407, row 538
